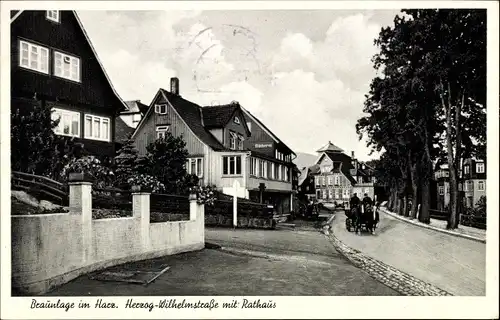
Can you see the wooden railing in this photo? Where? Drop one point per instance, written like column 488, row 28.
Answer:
column 40, row 186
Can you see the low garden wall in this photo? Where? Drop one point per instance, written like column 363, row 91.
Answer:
column 51, row 249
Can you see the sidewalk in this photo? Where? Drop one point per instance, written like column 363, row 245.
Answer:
column 454, row 264
column 439, row 225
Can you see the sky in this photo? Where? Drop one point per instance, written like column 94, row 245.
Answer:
column 303, row 73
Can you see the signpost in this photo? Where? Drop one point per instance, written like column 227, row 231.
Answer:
column 236, row 186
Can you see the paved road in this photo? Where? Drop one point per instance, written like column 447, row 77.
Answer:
column 453, row 264
column 297, row 263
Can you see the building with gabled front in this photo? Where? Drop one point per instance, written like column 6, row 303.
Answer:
column 340, row 176
column 53, row 64
column 226, row 145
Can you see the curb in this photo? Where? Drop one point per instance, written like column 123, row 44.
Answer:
column 452, row 233
column 398, row 280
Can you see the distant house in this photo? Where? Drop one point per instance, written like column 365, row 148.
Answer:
column 442, row 189
column 134, row 113
column 221, row 148
column 53, row 63
column 340, row 176
column 474, row 180
column 306, row 182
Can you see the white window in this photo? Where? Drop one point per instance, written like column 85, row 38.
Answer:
column 469, row 186
column 346, row 193
column 330, row 193
column 97, row 128
column 264, row 169
column 33, row 57
column 240, row 142
column 287, row 172
column 231, row 165
column 480, row 167
column 136, row 118
column 337, row 181
column 161, row 131
column 480, row 186
column 466, row 169
column 232, row 140
column 272, row 171
column 195, row 166
column 161, row 108
column 280, row 172
column 66, row 66
column 441, row 190
column 69, row 122
column 52, row 15
column 237, row 120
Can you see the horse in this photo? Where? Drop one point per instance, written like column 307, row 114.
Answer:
column 365, row 218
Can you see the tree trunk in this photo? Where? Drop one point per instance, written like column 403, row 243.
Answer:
column 405, row 205
column 451, row 159
column 424, row 215
column 414, row 186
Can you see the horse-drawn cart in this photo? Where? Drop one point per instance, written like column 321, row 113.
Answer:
column 360, row 219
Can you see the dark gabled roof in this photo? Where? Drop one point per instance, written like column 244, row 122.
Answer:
column 122, row 130
column 266, row 129
column 330, row 147
column 191, row 113
column 218, row 116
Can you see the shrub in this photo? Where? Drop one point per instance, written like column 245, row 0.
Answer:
column 204, row 194
column 147, row 181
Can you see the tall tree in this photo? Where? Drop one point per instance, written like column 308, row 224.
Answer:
column 454, row 42
column 125, row 164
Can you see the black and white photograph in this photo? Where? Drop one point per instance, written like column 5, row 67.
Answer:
column 255, row 159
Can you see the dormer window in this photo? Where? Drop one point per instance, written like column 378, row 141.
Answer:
column 237, row 120
column 161, row 108
column 53, row 15
column 232, row 140
column 240, row 142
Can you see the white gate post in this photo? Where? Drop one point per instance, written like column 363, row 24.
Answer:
column 235, row 203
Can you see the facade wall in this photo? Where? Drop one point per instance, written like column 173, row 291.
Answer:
column 147, row 134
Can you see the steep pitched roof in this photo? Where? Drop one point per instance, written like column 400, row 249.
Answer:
column 122, row 130
column 218, row 116
column 330, row 147
column 191, row 113
column 266, row 129
column 15, row 15
column 135, row 106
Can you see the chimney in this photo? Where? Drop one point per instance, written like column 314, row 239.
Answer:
column 174, row 85
column 352, row 154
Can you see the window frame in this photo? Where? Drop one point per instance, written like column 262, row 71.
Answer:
column 158, row 108
column 198, row 166
column 483, row 184
column 237, row 120
column 162, row 130
column 441, row 190
column 241, row 141
column 50, row 18
column 480, row 165
column 71, row 57
column 69, row 112
column 101, row 118
column 40, row 49
column 235, row 165
column 232, row 140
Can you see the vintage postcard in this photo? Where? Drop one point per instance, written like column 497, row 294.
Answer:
column 256, row 159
